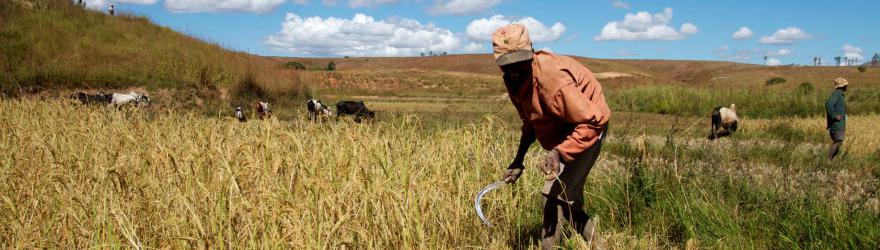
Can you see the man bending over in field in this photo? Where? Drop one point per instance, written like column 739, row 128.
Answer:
column 835, row 113
column 562, row 106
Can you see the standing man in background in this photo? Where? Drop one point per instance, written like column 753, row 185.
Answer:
column 111, row 10
column 835, row 115
column 562, row 106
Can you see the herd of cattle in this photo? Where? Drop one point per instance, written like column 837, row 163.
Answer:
column 317, row 110
column 112, row 99
column 724, row 120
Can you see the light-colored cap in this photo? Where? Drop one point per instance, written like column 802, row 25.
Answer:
column 511, row 44
column 840, row 82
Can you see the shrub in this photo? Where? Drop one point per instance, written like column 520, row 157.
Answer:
column 862, row 69
column 293, row 65
column 331, row 66
column 247, row 91
column 805, row 88
column 775, row 80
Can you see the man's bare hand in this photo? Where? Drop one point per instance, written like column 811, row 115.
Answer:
column 551, row 163
column 512, row 173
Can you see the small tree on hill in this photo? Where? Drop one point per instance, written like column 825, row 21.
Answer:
column 837, row 59
column 875, row 61
column 331, row 66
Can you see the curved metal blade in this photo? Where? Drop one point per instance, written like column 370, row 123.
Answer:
column 480, row 197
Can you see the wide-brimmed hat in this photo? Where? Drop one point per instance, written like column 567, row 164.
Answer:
column 511, row 44
column 840, row 82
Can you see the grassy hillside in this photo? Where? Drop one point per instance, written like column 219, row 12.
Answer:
column 51, row 44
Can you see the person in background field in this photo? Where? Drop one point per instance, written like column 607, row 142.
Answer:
column 112, row 10
column 562, row 106
column 835, row 115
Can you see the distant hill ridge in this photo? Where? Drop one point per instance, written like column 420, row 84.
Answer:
column 649, row 70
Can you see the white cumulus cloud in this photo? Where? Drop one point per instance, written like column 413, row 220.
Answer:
column 743, row 33
column 619, row 4
column 255, row 6
column 689, row 28
column 773, row 61
column 482, row 29
column 361, row 35
column 851, row 52
column 463, row 7
column 780, row 52
column 785, row 36
column 645, row 26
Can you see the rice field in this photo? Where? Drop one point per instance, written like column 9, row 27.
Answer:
column 82, row 177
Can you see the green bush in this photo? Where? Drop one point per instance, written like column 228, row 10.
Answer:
column 331, row 66
column 293, row 65
column 775, row 80
column 862, row 69
column 805, row 88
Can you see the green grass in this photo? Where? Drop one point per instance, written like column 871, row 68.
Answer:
column 750, row 102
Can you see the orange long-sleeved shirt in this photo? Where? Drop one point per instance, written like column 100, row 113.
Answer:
column 562, row 104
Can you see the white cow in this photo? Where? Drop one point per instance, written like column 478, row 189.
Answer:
column 724, row 122
column 118, row 99
column 318, row 109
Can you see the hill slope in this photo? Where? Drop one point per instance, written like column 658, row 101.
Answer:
column 51, row 44
column 639, row 71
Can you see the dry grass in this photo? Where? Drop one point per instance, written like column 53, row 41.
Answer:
column 862, row 131
column 64, row 47
column 81, row 177
column 96, row 177
column 688, row 73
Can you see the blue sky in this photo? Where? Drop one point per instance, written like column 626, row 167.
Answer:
column 784, row 31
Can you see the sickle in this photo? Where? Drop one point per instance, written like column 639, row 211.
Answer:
column 480, row 195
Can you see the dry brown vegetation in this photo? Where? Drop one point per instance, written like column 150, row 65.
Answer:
column 687, row 73
column 75, row 176
column 182, row 173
